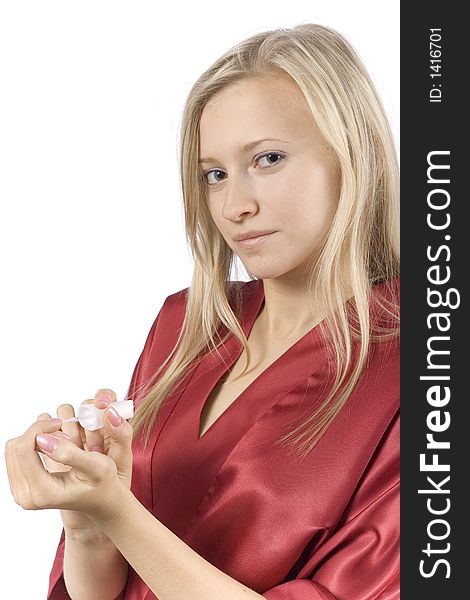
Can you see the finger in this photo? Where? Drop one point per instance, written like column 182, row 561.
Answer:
column 50, row 425
column 94, row 439
column 66, row 411
column 66, row 452
column 104, row 397
column 46, row 461
column 12, row 468
column 25, row 448
column 120, row 437
column 27, row 489
column 51, row 465
column 44, row 417
column 26, row 470
column 18, row 483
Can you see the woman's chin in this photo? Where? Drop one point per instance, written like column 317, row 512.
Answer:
column 266, row 273
column 295, row 273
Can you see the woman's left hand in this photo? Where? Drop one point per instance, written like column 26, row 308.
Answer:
column 90, row 485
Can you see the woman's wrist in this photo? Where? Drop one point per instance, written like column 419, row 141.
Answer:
column 85, row 535
column 93, row 567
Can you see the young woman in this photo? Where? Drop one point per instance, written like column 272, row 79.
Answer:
column 263, row 458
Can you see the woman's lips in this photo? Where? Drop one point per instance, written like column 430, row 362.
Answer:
column 255, row 241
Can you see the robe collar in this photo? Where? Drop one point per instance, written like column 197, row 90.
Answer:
column 183, row 465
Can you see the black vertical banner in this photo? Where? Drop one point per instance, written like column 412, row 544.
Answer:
column 435, row 263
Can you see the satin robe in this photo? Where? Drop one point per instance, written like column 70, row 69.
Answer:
column 326, row 528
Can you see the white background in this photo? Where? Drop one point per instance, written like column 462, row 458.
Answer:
column 91, row 224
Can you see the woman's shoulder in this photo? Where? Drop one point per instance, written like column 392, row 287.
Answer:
column 176, row 299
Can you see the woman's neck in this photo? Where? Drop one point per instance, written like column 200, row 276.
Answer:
column 289, row 310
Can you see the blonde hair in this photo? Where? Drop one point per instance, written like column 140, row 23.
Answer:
column 362, row 245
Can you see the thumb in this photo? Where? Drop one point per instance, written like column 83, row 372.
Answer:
column 65, row 452
column 120, row 441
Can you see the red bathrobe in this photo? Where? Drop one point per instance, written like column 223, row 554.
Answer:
column 326, row 528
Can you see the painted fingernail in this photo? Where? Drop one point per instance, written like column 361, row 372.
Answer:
column 114, row 418
column 105, row 398
column 46, row 443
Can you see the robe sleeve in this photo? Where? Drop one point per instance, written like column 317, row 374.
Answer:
column 360, row 560
column 57, row 589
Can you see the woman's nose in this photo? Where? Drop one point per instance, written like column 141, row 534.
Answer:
column 239, row 200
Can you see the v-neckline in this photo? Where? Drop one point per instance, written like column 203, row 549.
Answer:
column 186, row 461
column 252, row 309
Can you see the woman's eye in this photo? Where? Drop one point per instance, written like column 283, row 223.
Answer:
column 265, row 161
column 271, row 159
column 212, row 177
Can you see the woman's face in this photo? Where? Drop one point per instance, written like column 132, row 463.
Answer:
column 267, row 168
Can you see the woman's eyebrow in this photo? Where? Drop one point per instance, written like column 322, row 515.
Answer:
column 245, row 148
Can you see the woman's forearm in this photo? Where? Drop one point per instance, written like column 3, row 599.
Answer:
column 93, row 567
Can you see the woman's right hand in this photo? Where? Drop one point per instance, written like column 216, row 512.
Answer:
column 115, row 445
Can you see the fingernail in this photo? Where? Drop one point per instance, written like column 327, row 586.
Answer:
column 106, row 398
column 114, row 418
column 97, row 449
column 46, row 442
column 64, row 435
column 55, row 421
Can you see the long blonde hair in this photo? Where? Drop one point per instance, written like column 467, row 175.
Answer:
column 362, row 245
